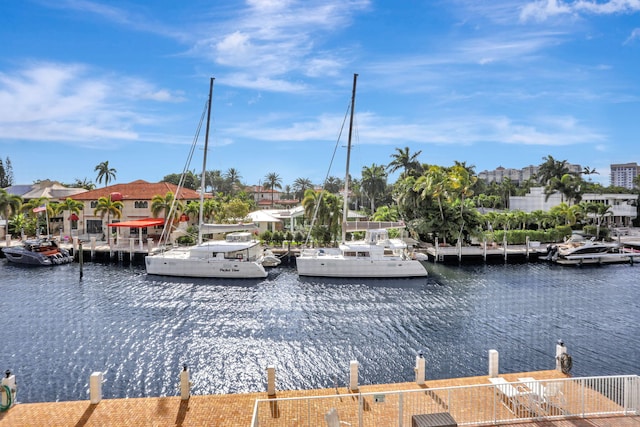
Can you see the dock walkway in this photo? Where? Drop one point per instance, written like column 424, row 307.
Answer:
column 235, row 410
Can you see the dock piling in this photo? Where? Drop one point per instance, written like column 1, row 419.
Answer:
column 185, row 384
column 95, row 387
column 420, row 369
column 494, row 359
column 353, row 378
column 271, row 380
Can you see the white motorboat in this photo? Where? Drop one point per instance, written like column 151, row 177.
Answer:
column 238, row 255
column 377, row 256
column 578, row 246
column 37, row 252
column 580, row 251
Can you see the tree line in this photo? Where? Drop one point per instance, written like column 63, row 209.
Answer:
column 444, row 202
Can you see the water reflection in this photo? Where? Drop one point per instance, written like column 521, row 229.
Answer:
column 141, row 329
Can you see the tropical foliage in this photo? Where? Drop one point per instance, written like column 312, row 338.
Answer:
column 108, row 207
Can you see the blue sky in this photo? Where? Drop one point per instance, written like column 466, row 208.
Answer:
column 499, row 83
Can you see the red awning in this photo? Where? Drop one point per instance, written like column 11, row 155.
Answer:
column 139, row 223
column 73, row 217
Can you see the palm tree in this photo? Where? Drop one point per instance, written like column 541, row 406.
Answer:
column 232, row 177
column 565, row 212
column 163, row 204
column 551, row 168
column 589, row 171
column 404, row 160
column 212, row 210
column 192, row 208
column 461, row 183
column 333, row 184
column 433, row 183
column 300, row 186
column 214, row 180
column 106, row 206
column 272, row 181
column 327, row 209
column 105, row 173
column 73, row 206
column 10, row 204
column 374, row 183
column 83, row 183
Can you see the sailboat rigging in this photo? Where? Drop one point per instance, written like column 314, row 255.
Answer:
column 377, row 256
column 238, row 255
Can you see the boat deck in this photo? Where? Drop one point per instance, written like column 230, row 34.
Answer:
column 234, row 410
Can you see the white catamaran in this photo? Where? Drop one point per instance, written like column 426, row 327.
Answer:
column 377, row 256
column 239, row 255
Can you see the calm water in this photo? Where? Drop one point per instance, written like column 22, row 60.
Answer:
column 58, row 329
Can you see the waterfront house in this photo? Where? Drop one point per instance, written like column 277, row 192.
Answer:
column 623, row 206
column 52, row 191
column 136, row 197
column 267, row 198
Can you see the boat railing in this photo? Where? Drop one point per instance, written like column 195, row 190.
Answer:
column 506, row 402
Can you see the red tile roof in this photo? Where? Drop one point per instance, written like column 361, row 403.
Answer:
column 139, row 190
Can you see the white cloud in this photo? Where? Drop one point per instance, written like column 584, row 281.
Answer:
column 70, row 103
column 635, row 35
column 541, row 10
column 373, row 129
column 271, row 40
column 607, row 7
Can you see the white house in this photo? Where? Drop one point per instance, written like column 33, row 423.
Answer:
column 623, row 206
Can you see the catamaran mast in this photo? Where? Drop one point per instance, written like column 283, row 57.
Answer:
column 204, row 164
column 345, row 208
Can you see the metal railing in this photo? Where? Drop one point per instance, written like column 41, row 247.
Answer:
column 468, row 405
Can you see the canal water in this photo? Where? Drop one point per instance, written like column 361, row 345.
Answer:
column 57, row 328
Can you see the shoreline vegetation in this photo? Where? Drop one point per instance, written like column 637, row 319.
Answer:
column 447, row 204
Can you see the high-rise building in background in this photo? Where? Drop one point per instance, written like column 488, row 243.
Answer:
column 623, row 174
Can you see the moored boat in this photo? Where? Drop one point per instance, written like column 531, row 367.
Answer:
column 377, row 256
column 238, row 255
column 37, row 252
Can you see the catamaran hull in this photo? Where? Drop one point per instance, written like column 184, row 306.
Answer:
column 320, row 266
column 215, row 269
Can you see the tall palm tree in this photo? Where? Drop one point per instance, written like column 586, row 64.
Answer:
column 108, row 207
column 105, row 173
column 374, row 183
column 461, row 183
column 214, row 180
column 300, row 186
column 403, row 159
column 271, row 182
column 433, row 183
column 551, row 168
column 232, row 177
column 10, row 204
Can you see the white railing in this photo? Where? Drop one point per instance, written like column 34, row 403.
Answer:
column 526, row 399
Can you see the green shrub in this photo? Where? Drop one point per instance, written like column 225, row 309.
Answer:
column 266, row 236
column 519, row 237
column 277, row 237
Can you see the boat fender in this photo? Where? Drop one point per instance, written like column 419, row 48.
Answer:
column 566, row 363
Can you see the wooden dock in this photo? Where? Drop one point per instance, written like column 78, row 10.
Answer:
column 235, row 410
